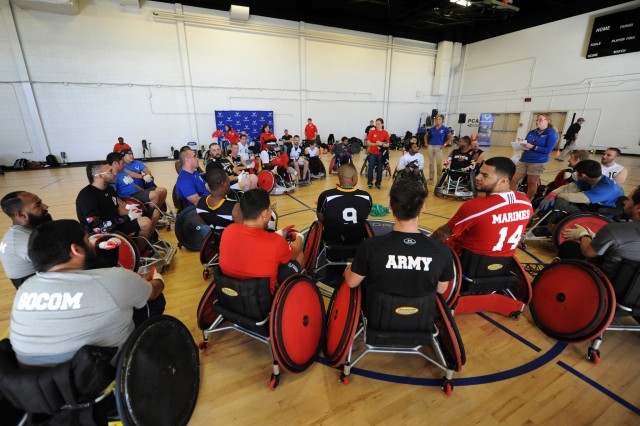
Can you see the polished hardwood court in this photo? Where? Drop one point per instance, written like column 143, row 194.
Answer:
column 514, row 374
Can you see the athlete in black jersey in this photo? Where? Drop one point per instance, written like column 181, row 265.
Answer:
column 216, row 209
column 239, row 180
column 462, row 158
column 403, row 262
column 344, row 210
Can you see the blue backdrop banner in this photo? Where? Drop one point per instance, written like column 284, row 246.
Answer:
column 484, row 131
column 249, row 121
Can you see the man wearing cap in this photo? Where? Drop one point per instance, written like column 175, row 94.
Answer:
column 125, row 185
column 570, row 139
column 120, row 145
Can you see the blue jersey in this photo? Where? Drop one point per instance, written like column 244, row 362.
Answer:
column 605, row 192
column 136, row 167
column 189, row 184
column 438, row 136
column 544, row 142
column 125, row 186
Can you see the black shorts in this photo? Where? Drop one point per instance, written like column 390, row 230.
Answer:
column 287, row 269
column 129, row 228
column 143, row 195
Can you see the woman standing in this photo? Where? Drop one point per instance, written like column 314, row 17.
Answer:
column 376, row 140
column 539, row 144
column 438, row 137
column 266, row 136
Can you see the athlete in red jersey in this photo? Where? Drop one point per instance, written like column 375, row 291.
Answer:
column 231, row 135
column 310, row 131
column 266, row 136
column 492, row 225
column 270, row 254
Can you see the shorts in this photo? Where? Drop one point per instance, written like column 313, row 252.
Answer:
column 143, row 195
column 531, row 169
column 129, row 228
column 287, row 269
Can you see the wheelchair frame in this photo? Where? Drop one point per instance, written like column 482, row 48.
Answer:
column 446, row 187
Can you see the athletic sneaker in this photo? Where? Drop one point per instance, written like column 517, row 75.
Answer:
column 369, row 186
column 378, row 186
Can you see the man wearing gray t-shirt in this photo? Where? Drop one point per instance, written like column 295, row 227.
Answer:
column 64, row 306
column 614, row 241
column 26, row 211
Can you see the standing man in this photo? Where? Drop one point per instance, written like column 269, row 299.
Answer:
column 310, row 131
column 344, row 210
column 376, row 140
column 570, row 139
column 120, row 145
column 404, row 262
column 26, row 211
column 610, row 168
column 190, row 184
column 491, row 225
column 438, row 136
column 369, row 127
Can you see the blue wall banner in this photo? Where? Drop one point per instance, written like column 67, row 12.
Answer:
column 484, row 130
column 249, row 121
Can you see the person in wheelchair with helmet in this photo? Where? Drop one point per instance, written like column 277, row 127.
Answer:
column 590, row 192
column 273, row 254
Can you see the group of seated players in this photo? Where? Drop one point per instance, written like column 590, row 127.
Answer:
column 72, row 301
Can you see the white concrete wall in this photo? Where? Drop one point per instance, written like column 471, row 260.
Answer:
column 548, row 64
column 115, row 71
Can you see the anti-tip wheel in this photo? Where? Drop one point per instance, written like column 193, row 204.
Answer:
column 447, row 388
column 515, row 315
column 203, row 346
column 274, row 381
column 594, row 356
column 344, row 379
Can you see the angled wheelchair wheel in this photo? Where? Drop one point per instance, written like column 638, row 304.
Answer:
column 296, row 323
column 209, row 248
column 572, row 301
column 593, row 221
column 266, row 180
column 449, row 336
column 342, row 321
column 128, row 252
column 365, row 166
column 522, row 288
column 206, row 315
column 453, row 290
column 332, row 166
column 190, row 230
column 158, row 374
column 311, row 246
column 135, row 202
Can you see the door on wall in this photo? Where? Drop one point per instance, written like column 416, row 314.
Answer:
column 557, row 119
column 505, row 127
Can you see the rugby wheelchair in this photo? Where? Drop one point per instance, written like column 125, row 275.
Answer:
column 391, row 324
column 291, row 322
column 491, row 283
column 275, row 184
column 385, row 163
column 157, row 377
column 408, row 173
column 574, row 301
column 459, row 184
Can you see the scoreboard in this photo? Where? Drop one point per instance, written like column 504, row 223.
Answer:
column 615, row 34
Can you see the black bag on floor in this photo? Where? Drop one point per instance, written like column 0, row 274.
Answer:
column 52, row 161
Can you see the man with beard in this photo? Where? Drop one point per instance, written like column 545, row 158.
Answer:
column 610, row 168
column 65, row 306
column 239, row 181
column 26, row 211
column 491, row 225
column 100, row 210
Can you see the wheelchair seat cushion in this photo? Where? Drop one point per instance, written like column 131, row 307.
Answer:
column 487, row 273
column 249, row 298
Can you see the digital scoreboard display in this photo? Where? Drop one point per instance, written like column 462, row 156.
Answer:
column 615, row 34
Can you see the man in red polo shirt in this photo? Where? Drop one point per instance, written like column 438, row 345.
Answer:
column 310, row 131
column 273, row 254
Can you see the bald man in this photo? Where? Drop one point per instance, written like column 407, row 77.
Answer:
column 344, row 210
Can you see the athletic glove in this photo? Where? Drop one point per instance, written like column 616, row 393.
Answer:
column 134, row 213
column 110, row 244
column 548, row 201
column 578, row 232
column 147, row 178
column 289, row 233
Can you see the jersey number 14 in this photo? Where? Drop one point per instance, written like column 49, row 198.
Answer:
column 514, row 239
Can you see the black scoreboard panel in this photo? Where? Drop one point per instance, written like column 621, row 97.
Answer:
column 615, row 34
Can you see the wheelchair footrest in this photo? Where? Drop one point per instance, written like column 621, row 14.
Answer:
column 497, row 303
column 490, row 284
column 242, row 321
column 397, row 338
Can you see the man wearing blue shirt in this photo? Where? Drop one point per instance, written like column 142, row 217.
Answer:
column 190, row 184
column 439, row 136
column 126, row 187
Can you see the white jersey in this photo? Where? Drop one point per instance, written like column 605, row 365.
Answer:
column 407, row 158
column 611, row 171
column 313, row 152
column 295, row 152
column 243, row 151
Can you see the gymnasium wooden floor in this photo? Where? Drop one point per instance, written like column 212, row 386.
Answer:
column 514, row 373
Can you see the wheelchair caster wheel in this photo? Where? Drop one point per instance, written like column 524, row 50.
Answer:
column 594, row 356
column 447, row 388
column 274, row 382
column 205, row 275
column 203, row 346
column 344, row 379
column 514, row 315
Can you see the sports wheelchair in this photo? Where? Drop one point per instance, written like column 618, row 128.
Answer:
column 408, row 173
column 167, row 216
column 574, row 301
column 459, row 184
column 190, row 229
column 385, row 163
column 159, row 355
column 291, row 322
column 333, row 167
column 491, row 283
column 275, row 184
column 392, row 324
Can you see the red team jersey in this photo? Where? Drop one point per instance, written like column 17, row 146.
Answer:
column 492, row 225
column 232, row 136
column 310, row 131
column 377, row 136
column 269, row 251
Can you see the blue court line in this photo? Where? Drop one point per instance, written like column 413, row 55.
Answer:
column 509, row 332
column 618, row 399
column 532, row 256
column 466, row 381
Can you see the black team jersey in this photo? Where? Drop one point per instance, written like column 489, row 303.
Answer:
column 345, row 213
column 219, row 216
column 460, row 160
